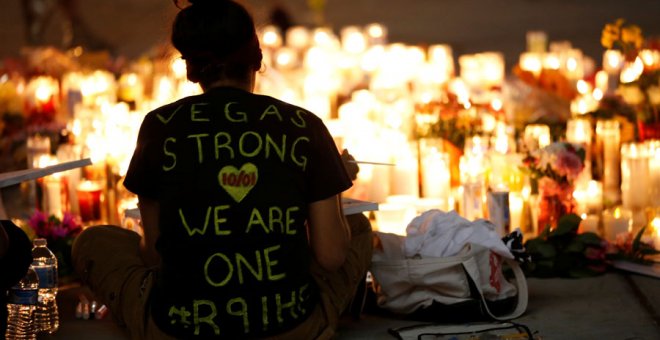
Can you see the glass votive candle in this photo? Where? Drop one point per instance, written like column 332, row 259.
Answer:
column 89, row 200
column 617, row 222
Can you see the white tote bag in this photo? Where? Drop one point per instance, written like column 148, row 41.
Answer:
column 404, row 285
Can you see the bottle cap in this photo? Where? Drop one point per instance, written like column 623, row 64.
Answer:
column 40, row 242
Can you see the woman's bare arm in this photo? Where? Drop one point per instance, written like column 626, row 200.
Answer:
column 149, row 211
column 329, row 233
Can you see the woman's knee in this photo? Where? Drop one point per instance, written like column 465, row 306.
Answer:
column 359, row 223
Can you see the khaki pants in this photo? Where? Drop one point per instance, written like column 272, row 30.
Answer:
column 107, row 258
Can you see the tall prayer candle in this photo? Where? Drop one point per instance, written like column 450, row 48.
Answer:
column 436, row 179
column 53, row 195
column 89, row 201
column 617, row 221
column 537, row 136
column 579, row 131
column 635, row 179
column 608, row 138
column 654, row 172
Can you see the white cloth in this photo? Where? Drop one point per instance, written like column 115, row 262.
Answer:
column 436, row 233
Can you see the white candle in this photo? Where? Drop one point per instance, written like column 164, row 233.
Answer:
column 601, row 81
column 393, row 217
column 298, row 37
column 271, row 37
column 594, row 196
column 612, row 61
column 589, row 223
column 516, row 204
column 617, row 221
column 655, row 224
column 579, row 131
column 537, row 136
column 531, row 62
column 436, row 181
column 376, row 33
column 654, row 172
column 609, row 142
column 537, row 41
column 353, row 40
column 635, row 177
column 405, row 176
column 53, row 186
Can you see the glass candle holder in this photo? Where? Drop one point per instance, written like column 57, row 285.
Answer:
column 608, row 143
column 635, row 177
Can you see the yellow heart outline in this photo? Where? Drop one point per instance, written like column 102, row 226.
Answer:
column 244, row 180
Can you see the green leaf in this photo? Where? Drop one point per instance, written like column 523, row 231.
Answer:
column 589, row 238
column 546, row 250
column 637, row 240
column 540, row 248
column 568, row 223
column 575, row 247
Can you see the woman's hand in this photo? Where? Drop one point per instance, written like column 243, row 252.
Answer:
column 349, row 163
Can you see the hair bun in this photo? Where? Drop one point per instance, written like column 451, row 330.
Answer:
column 206, row 2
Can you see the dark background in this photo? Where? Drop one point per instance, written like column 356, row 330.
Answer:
column 134, row 27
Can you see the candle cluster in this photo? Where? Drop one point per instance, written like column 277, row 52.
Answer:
column 456, row 129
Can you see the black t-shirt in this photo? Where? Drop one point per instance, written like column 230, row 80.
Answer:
column 13, row 265
column 234, row 173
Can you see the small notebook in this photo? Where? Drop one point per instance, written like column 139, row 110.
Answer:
column 353, row 206
column 15, row 177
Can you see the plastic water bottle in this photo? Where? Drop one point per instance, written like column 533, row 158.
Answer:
column 44, row 262
column 22, row 300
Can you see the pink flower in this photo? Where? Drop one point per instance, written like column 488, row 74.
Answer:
column 51, row 227
column 569, row 164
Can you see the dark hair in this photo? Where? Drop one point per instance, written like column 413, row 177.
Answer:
column 218, row 39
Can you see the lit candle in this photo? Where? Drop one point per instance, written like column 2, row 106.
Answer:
column 298, row 37
column 89, row 201
column 537, row 41
column 635, row 176
column 589, row 224
column 376, row 33
column 601, row 81
column 53, row 195
column 42, row 95
column 531, row 62
column 271, row 37
column 654, row 172
column 579, row 131
column 393, row 217
column 631, row 71
column 537, row 136
column 655, row 224
column 651, row 58
column 286, row 58
column 37, row 147
column 594, row 196
column 612, row 64
column 516, row 205
column 405, row 178
column 436, row 179
column 608, row 140
column 353, row 40
column 612, row 61
column 616, row 222
column 441, row 57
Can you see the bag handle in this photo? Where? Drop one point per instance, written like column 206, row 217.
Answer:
column 470, row 267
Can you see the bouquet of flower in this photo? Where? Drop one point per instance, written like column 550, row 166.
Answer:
column 556, row 165
column 563, row 252
column 59, row 234
column 552, row 170
column 622, row 36
column 633, row 248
